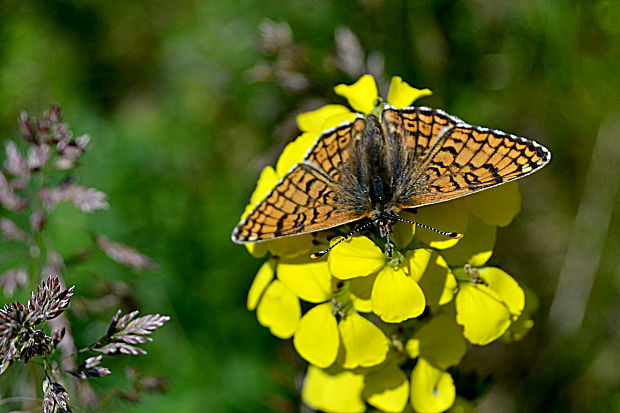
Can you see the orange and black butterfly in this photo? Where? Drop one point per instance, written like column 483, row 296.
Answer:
column 371, row 169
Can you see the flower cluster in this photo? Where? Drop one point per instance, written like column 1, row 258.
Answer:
column 377, row 330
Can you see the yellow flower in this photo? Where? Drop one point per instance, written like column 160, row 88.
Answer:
column 396, row 295
column 476, row 246
column 276, row 306
column 333, row 327
column 451, row 216
column 496, row 206
column 438, row 281
column 440, row 341
column 520, row 327
column 363, row 95
column 351, row 359
column 325, row 117
column 338, row 391
column 401, row 94
column 432, row 389
column 487, row 302
column 317, row 340
column 386, row 388
column 438, row 345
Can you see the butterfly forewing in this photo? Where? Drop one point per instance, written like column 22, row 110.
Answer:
column 467, row 159
column 306, row 200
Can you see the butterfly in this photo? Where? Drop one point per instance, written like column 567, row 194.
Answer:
column 378, row 165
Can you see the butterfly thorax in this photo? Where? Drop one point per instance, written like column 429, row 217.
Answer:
column 373, row 167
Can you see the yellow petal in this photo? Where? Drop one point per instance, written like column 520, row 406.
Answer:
column 261, row 281
column 333, row 393
column 256, row 249
column 317, row 339
column 416, row 261
column 401, row 94
column 294, row 246
column 506, row 288
column 315, row 121
column 279, row 310
column 356, row 257
column 396, row 297
column 519, row 328
column 309, row 279
column 295, row 152
column 481, row 312
column 387, row 388
column 432, row 390
column 361, row 95
column 403, row 232
column 438, row 282
column 364, row 343
column 451, row 216
column 338, row 119
column 496, row 206
column 476, row 246
column 413, row 348
column 360, row 290
column 440, row 341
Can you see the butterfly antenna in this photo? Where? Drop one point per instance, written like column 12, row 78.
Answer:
column 455, row 235
column 317, row 255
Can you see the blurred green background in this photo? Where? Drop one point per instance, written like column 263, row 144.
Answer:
column 186, row 101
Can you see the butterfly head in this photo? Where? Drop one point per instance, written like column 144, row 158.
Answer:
column 384, row 220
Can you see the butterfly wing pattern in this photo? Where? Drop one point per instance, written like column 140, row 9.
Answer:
column 306, row 199
column 454, row 158
column 413, row 157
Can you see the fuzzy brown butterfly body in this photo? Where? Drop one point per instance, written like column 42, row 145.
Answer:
column 374, row 168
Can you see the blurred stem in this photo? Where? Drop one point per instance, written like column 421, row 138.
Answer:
column 36, row 387
column 37, row 253
column 18, row 399
column 37, row 247
column 36, row 265
column 47, row 366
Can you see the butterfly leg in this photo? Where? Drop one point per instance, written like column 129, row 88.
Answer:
column 388, row 245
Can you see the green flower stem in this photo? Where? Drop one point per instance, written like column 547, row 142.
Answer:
column 341, row 299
